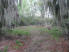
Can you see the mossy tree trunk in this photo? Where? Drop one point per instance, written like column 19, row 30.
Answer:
column 3, row 6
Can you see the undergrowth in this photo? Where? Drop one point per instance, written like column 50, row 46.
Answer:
column 19, row 32
column 55, row 32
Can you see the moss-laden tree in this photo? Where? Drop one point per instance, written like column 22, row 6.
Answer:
column 60, row 10
column 3, row 6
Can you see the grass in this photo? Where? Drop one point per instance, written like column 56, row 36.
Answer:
column 19, row 43
column 0, row 51
column 16, row 47
column 6, row 49
column 19, row 32
column 25, row 31
column 55, row 32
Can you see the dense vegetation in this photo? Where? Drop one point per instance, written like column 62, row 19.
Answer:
column 34, row 13
column 39, row 22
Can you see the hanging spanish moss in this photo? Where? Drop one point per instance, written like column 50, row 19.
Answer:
column 43, row 24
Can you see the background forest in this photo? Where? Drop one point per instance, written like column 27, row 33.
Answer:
column 29, row 20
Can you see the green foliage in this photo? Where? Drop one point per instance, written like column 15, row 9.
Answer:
column 16, row 47
column 19, row 43
column 49, row 21
column 55, row 32
column 50, row 4
column 19, row 9
column 24, row 3
column 0, row 51
column 20, row 32
column 31, row 20
column 6, row 49
column 27, row 20
column 40, row 3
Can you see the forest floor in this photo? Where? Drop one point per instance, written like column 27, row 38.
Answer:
column 36, row 42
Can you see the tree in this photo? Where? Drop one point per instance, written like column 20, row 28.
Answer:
column 60, row 9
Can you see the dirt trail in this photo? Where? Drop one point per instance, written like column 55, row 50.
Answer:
column 40, row 42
